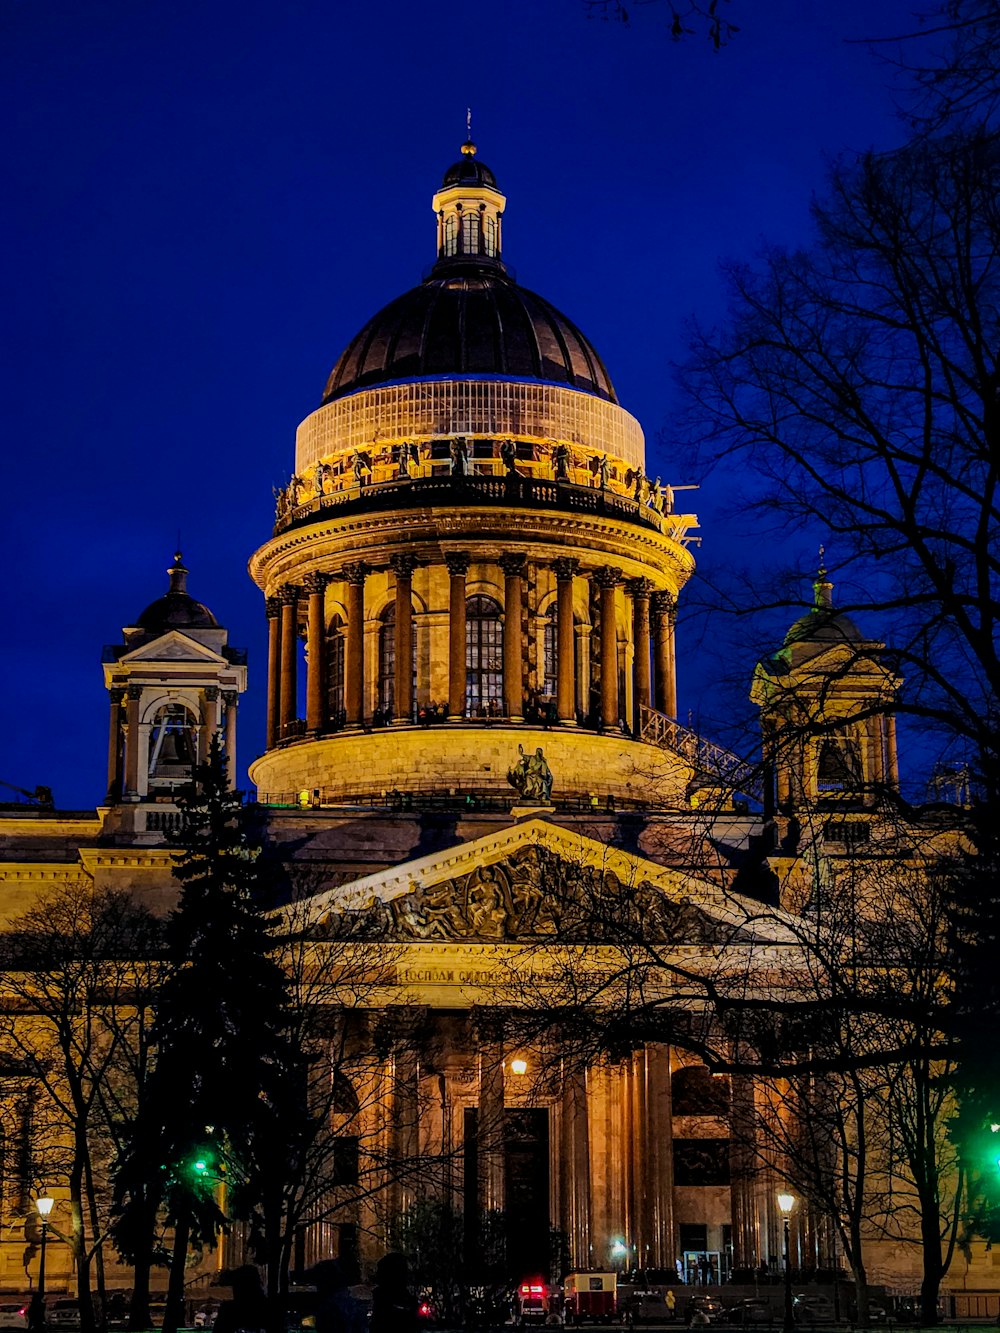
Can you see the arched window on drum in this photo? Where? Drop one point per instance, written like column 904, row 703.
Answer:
column 483, row 658
column 550, row 652
column 173, row 744
column 470, row 233
column 335, row 672
column 450, row 240
column 489, row 234
column 387, row 662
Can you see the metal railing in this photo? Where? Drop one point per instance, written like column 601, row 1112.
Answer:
column 705, row 757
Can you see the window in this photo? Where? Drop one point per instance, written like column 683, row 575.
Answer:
column 387, row 661
column 490, row 234
column 483, row 657
column 696, row 1091
column 173, row 745
column 550, row 650
column 450, row 246
column 335, row 672
column 470, row 233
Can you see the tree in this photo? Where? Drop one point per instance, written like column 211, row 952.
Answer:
column 683, row 20
column 80, row 969
column 223, row 1058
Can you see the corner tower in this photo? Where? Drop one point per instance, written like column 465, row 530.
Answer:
column 472, row 553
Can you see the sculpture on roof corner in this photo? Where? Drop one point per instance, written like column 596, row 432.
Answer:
column 531, row 776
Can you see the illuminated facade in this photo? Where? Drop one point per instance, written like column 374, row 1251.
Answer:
column 471, row 586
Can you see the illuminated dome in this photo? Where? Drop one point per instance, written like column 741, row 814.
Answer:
column 469, row 320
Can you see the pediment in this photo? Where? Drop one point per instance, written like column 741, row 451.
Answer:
column 537, row 881
column 174, row 647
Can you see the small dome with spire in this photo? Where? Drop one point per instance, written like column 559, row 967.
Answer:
column 176, row 609
column 823, row 623
column 468, row 170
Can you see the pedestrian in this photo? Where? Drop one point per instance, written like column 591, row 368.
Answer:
column 671, row 1304
column 337, row 1311
column 394, row 1306
column 249, row 1311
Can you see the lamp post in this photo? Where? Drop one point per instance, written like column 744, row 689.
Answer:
column 44, row 1205
column 786, row 1202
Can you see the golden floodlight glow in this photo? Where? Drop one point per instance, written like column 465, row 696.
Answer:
column 786, row 1202
column 519, row 1066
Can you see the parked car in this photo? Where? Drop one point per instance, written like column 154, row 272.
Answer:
column 703, row 1310
column 751, row 1310
column 645, row 1307
column 812, row 1308
column 62, row 1313
column 14, row 1316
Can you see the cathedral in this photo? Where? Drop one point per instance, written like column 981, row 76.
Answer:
column 471, row 590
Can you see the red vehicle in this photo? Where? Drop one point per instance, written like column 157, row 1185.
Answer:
column 590, row 1296
column 534, row 1301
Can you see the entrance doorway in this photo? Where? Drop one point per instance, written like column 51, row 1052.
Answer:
column 526, row 1190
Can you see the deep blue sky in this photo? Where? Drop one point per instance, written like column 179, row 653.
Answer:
column 205, row 201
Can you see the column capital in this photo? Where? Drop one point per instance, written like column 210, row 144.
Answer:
column 273, row 608
column 512, row 564
column 288, row 595
column 639, row 588
column 458, row 563
column 315, row 583
column 135, row 691
column 664, row 603
column 117, row 693
column 607, row 577
column 211, row 693
column 565, row 568
column 403, row 565
column 355, row 573
column 231, row 698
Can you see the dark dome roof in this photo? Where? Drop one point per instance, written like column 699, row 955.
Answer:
column 469, row 319
column 468, row 170
column 176, row 609
column 821, row 624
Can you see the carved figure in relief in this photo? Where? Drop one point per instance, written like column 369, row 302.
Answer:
column 508, row 456
column 459, row 456
column 531, row 776
column 560, row 462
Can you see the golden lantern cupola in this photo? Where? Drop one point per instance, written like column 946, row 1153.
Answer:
column 469, row 209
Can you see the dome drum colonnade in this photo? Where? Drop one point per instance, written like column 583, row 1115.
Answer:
column 469, row 536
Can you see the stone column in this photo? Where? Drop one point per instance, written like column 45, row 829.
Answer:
column 607, row 580
column 231, row 700
column 117, row 694
column 565, row 569
column 355, row 664
column 513, row 648
column 134, row 694
column 663, row 640
column 210, row 722
column 576, row 1155
column 660, row 1137
column 458, row 567
column 288, row 706
column 403, row 567
column 892, row 754
column 273, row 670
column 744, row 1168
column 315, row 585
column 491, row 1103
column 640, row 590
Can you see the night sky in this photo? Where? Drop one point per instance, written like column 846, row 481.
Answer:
column 204, row 202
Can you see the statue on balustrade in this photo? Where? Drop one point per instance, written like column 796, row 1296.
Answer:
column 319, row 475
column 294, row 487
column 280, row 502
column 508, row 456
column 531, row 776
column 408, row 456
column 459, row 456
column 637, row 480
column 560, row 462
column 602, row 470
column 656, row 496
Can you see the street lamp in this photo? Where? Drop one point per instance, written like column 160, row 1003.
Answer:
column 786, row 1202
column 44, row 1204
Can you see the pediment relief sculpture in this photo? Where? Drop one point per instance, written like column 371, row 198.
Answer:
column 536, row 894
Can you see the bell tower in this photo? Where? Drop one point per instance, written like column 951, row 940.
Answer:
column 827, row 720
column 173, row 683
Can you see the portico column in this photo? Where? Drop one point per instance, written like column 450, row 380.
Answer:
column 117, row 694
column 315, row 585
column 513, row 651
column 288, row 690
column 577, row 1158
column 565, row 645
column 640, row 590
column 892, row 754
column 491, row 1102
column 458, row 567
column 231, row 700
column 403, row 567
column 607, row 580
column 663, row 640
column 132, row 741
column 210, row 722
column 355, row 685
column 273, row 669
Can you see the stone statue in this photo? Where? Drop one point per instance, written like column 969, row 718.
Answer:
column 293, row 491
column 459, row 456
column 656, row 496
column 560, row 462
column 640, row 482
column 403, row 467
column 508, row 456
column 280, row 503
column 318, row 476
column 531, row 776
column 603, row 469
column 358, row 468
